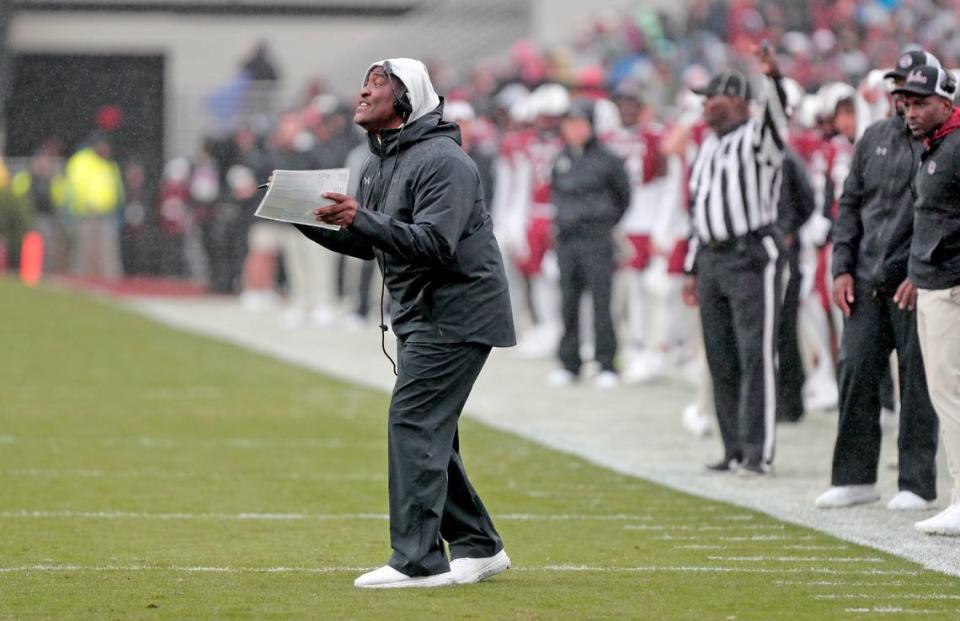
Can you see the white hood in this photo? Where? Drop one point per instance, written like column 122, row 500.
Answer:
column 414, row 76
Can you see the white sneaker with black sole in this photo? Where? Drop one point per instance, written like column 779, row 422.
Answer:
column 387, row 577
column 947, row 522
column 473, row 570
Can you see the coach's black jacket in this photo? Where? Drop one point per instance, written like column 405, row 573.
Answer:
column 591, row 191
column 871, row 237
column 432, row 236
column 935, row 254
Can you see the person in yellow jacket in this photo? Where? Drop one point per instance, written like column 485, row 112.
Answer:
column 94, row 200
column 41, row 188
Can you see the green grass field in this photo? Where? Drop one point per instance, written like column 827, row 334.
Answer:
column 148, row 474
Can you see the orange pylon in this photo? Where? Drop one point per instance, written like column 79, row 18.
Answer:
column 31, row 259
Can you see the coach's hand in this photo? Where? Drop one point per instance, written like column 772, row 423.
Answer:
column 906, row 295
column 340, row 213
column 843, row 293
column 690, row 296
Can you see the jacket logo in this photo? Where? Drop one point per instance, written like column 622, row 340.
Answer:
column 564, row 164
column 366, row 181
column 931, row 167
column 881, row 150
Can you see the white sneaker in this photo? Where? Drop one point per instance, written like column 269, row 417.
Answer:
column 645, row 366
column 847, row 496
column 323, row 316
column 890, row 419
column 947, row 522
column 820, row 394
column 606, row 380
column 473, row 570
column 561, row 377
column 696, row 422
column 908, row 501
column 389, row 578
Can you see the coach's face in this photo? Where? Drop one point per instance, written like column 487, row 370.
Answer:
column 375, row 109
column 925, row 113
column 723, row 112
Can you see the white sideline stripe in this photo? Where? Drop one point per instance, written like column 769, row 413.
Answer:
column 895, row 610
column 686, row 527
column 804, row 547
column 159, row 474
column 799, row 559
column 846, row 584
column 759, row 538
column 52, row 568
column 914, row 596
column 155, row 442
column 118, row 515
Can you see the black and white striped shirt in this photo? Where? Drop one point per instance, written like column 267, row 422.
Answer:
column 735, row 179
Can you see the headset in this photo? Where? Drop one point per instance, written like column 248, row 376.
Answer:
column 401, row 98
column 403, row 108
column 947, row 82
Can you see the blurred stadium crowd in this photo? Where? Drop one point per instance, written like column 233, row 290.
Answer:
column 101, row 218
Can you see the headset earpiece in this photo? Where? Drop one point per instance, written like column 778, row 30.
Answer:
column 401, row 98
column 401, row 104
column 948, row 84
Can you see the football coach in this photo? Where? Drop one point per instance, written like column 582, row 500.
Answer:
column 420, row 213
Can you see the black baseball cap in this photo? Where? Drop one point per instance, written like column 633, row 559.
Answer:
column 927, row 80
column 581, row 108
column 728, row 83
column 908, row 61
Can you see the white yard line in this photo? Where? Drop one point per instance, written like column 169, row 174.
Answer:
column 139, row 515
column 56, row 473
column 55, row 568
column 798, row 559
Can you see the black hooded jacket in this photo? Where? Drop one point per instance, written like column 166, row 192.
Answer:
column 871, row 237
column 935, row 253
column 422, row 216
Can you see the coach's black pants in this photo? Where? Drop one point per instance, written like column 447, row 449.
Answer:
column 790, row 376
column 586, row 262
column 431, row 499
column 876, row 327
column 739, row 288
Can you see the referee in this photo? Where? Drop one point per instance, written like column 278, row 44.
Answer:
column 734, row 261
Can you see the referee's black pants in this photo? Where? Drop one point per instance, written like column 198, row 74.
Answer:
column 790, row 375
column 431, row 498
column 587, row 263
column 739, row 288
column 876, row 327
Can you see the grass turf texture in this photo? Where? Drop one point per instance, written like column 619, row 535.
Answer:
column 129, row 451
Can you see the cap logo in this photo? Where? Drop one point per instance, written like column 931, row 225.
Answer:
column 917, row 76
column 905, row 61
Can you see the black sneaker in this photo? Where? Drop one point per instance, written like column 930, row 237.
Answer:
column 727, row 464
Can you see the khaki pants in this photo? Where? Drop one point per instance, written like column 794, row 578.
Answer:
column 938, row 325
column 97, row 250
